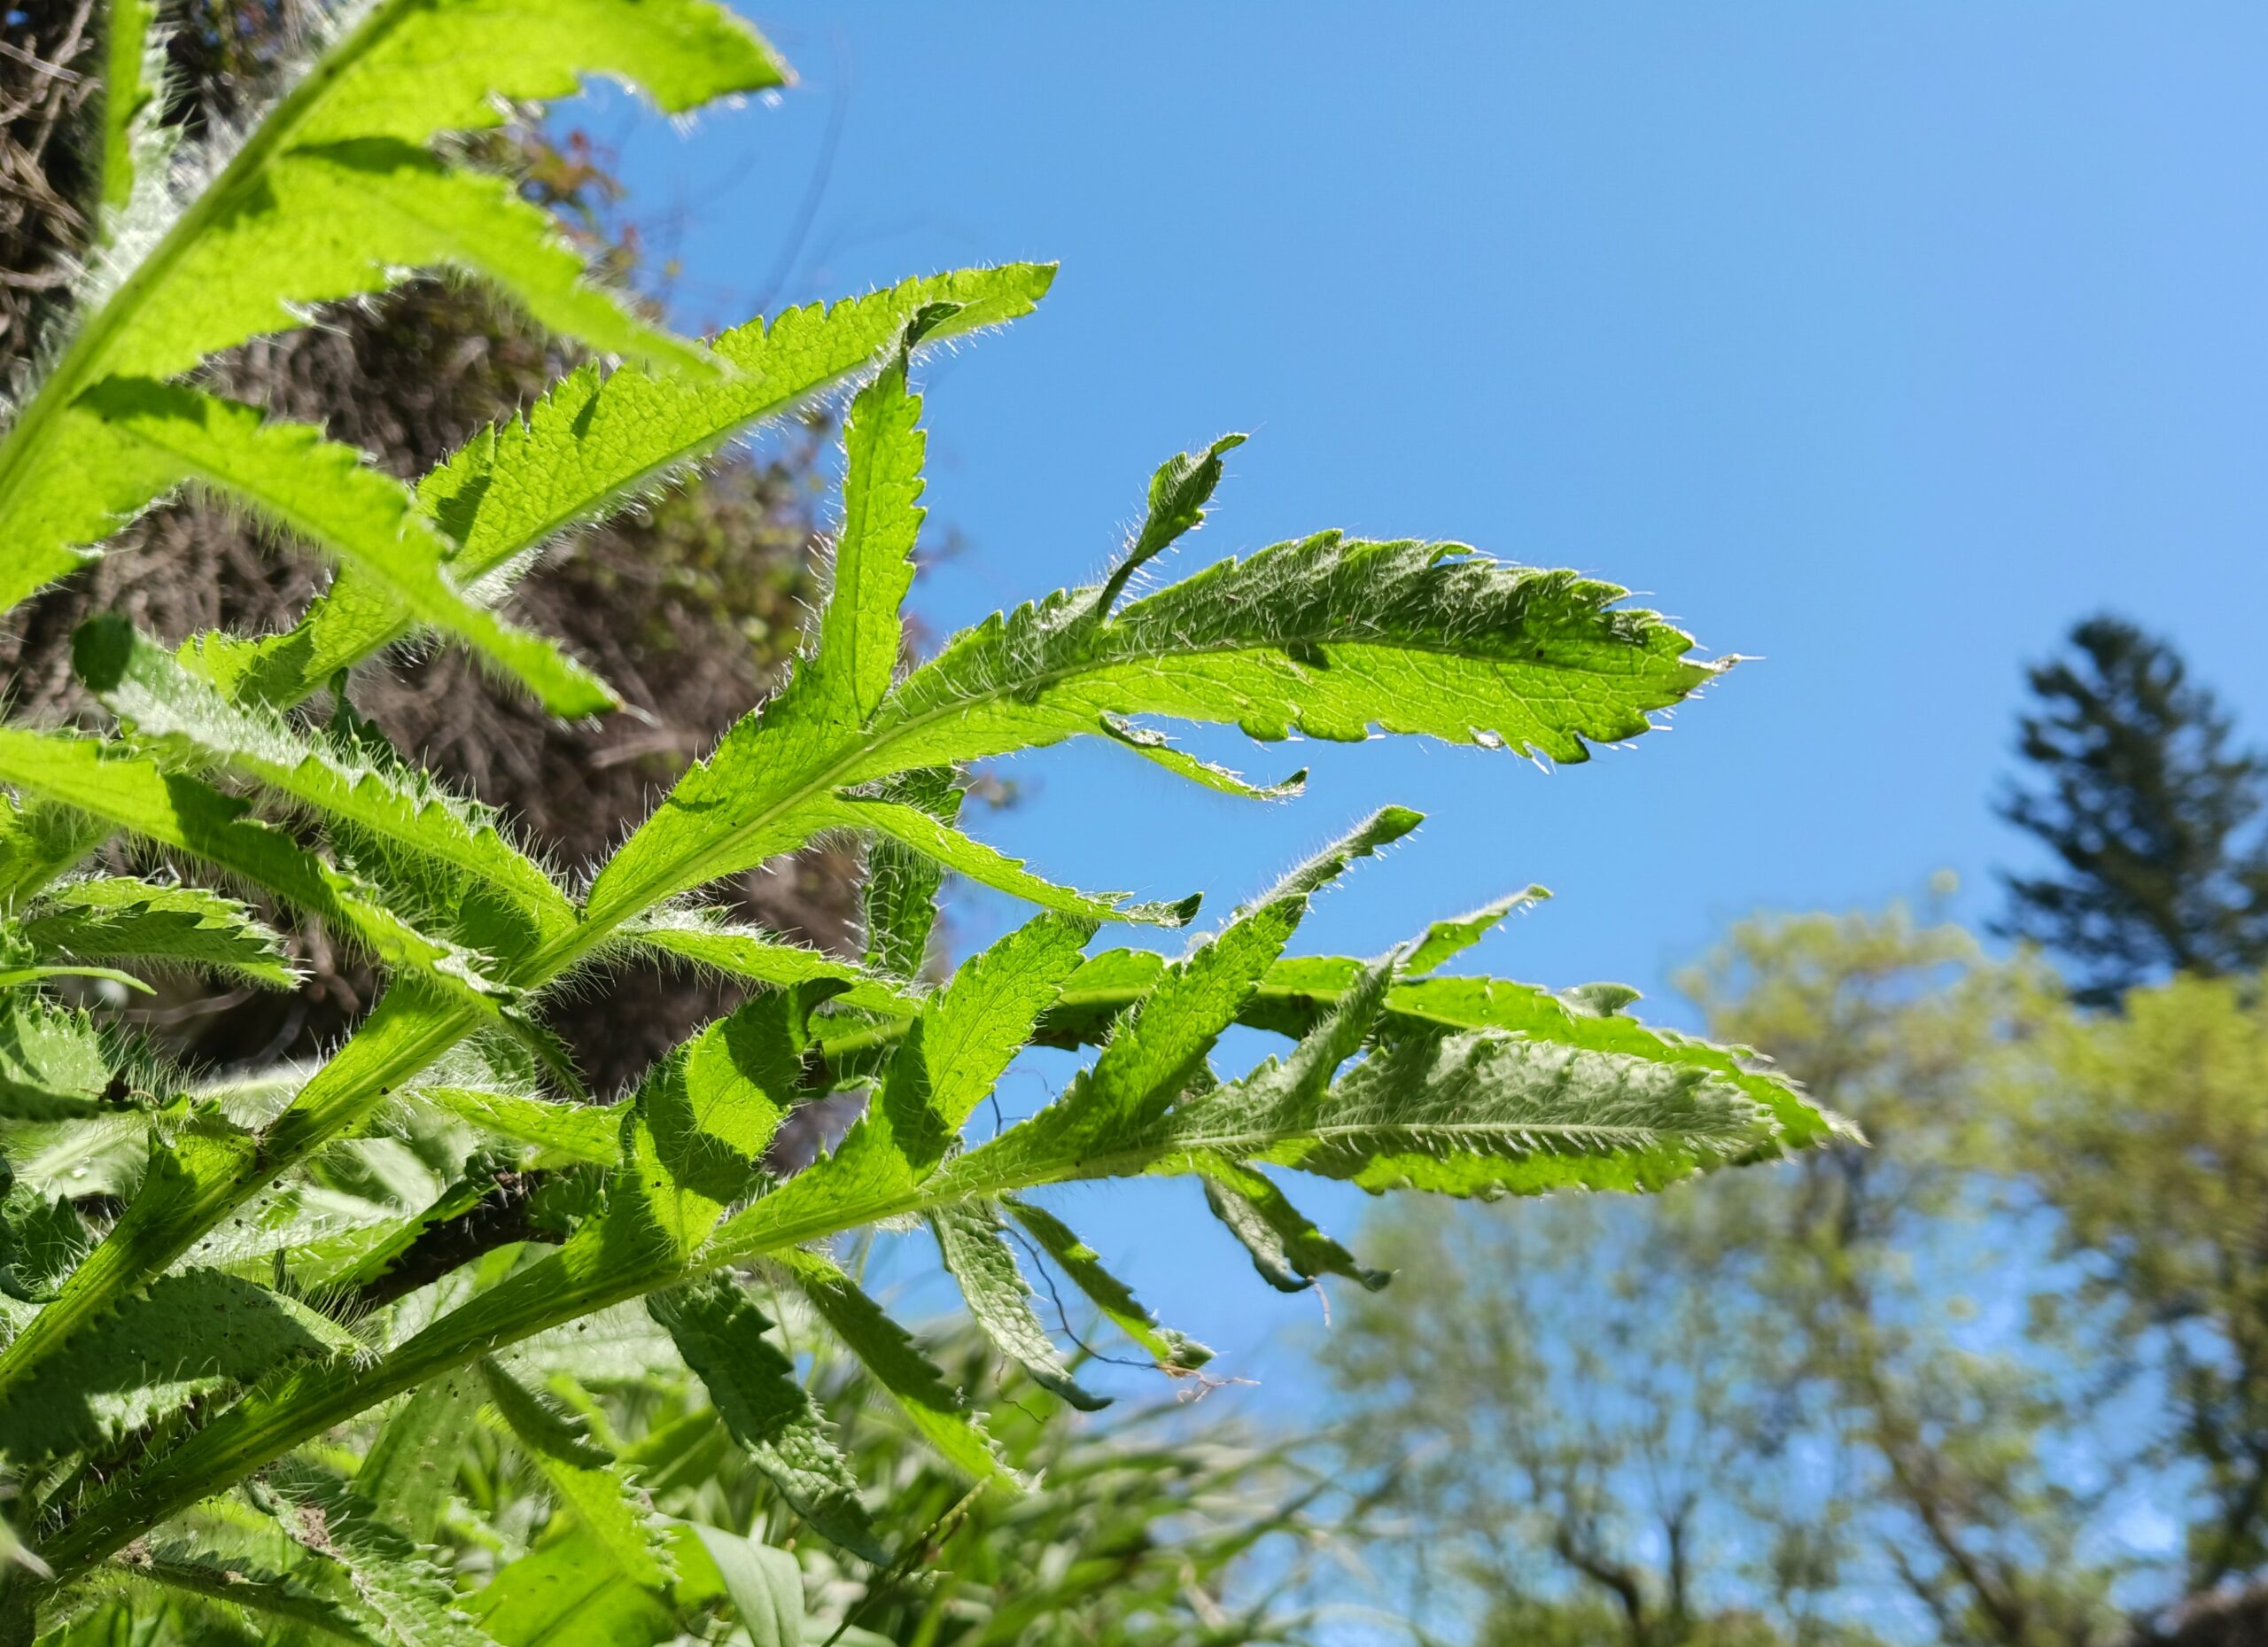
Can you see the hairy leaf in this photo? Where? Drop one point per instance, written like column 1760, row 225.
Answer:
column 1444, row 940
column 1173, row 1352
column 390, row 1575
column 134, row 792
column 582, row 1474
column 728, row 1342
column 323, row 493
column 238, row 1582
column 709, row 938
column 939, row 1413
column 331, row 195
column 1285, row 1246
column 491, row 891
column 52, row 1065
column 188, row 1335
column 976, row 1254
column 123, row 918
column 411, row 1468
column 589, row 1133
column 898, row 898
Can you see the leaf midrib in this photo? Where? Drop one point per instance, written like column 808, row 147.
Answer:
column 562, row 953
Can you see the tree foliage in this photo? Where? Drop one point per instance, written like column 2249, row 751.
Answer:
column 2156, row 818
column 1927, row 1389
column 209, row 1279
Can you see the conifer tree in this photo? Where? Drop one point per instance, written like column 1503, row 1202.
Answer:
column 2154, row 811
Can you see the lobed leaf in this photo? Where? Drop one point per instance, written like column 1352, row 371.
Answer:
column 136, row 793
column 975, row 1251
column 488, row 889
column 1442, row 941
column 727, row 1341
column 125, row 918
column 939, row 1413
column 323, row 493
column 404, row 1591
column 583, row 1476
column 188, row 1335
column 710, row 938
column 332, row 195
column 237, row 1582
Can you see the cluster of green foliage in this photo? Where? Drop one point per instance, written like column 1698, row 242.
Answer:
column 206, row 1281
column 1136, row 1534
column 1925, row 1390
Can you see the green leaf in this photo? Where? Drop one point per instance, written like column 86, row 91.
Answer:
column 390, row 1575
column 582, row 1474
column 1178, row 492
column 123, row 918
column 976, row 1254
column 188, row 1335
column 898, row 898
column 42, row 1239
column 955, row 1053
column 1298, row 992
column 411, row 1469
column 568, row 1594
column 1174, row 1353
column 859, row 635
column 1153, row 745
column 1485, row 1114
column 132, row 68
column 540, row 1423
column 331, row 195
column 460, row 863
column 39, row 842
column 1286, row 1248
column 966, row 855
column 409, row 73
column 327, row 494
column 1323, row 636
column 594, row 441
column 589, row 1133
column 201, row 1168
column 1326, row 636
column 1155, row 1052
column 765, row 1585
column 11, row 977
column 1419, row 1005
column 53, row 1065
column 710, row 938
column 1444, row 940
column 706, row 1114
column 970, row 1032
column 727, row 1341
column 337, row 218
column 134, row 792
column 237, row 1583
column 939, row 1413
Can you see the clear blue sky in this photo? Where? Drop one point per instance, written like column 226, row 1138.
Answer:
column 1878, row 343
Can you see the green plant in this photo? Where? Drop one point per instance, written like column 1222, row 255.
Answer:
column 231, row 1280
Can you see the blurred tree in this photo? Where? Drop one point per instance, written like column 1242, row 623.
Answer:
column 2158, row 821
column 1766, row 1415
column 2147, row 1135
